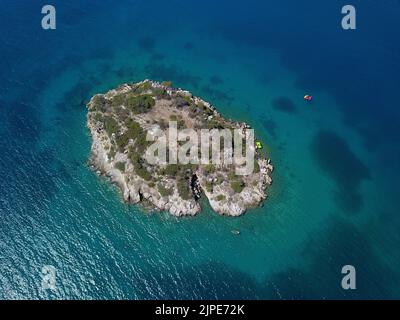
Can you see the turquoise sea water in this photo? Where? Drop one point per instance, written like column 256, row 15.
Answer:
column 335, row 195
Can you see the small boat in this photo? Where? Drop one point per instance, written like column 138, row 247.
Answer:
column 236, row 232
column 258, row 145
column 307, row 97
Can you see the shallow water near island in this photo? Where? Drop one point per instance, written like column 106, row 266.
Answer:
column 334, row 197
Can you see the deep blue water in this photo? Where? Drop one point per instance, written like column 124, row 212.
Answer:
column 335, row 197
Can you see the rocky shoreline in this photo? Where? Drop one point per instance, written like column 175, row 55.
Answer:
column 116, row 120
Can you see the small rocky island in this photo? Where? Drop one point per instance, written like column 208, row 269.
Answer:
column 120, row 121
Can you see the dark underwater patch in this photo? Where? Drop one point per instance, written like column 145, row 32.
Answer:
column 215, row 80
column 178, row 76
column 222, row 282
column 22, row 122
column 73, row 15
column 157, row 57
column 284, row 104
column 148, row 44
column 263, row 77
column 77, row 97
column 334, row 156
column 25, row 174
column 126, row 72
column 216, row 94
column 220, row 58
column 339, row 244
column 189, row 46
column 270, row 126
column 342, row 244
column 104, row 53
column 359, row 77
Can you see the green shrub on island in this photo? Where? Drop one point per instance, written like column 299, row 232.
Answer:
column 183, row 189
column 188, row 168
column 232, row 175
column 136, row 133
column 167, row 84
column 163, row 124
column 193, row 111
column 141, row 103
column 111, row 125
column 98, row 116
column 112, row 153
column 208, row 111
column 133, row 127
column 141, row 88
column 171, row 170
column 182, row 101
column 256, row 167
column 141, row 143
column 237, row 186
column 99, row 103
column 220, row 180
column 209, row 168
column 137, row 163
column 220, row 197
column 164, row 192
column 120, row 166
column 145, row 86
column 142, row 172
column 181, row 124
column 201, row 105
column 209, row 186
column 122, row 113
column 213, row 124
column 122, row 141
column 99, row 99
column 159, row 93
column 118, row 99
